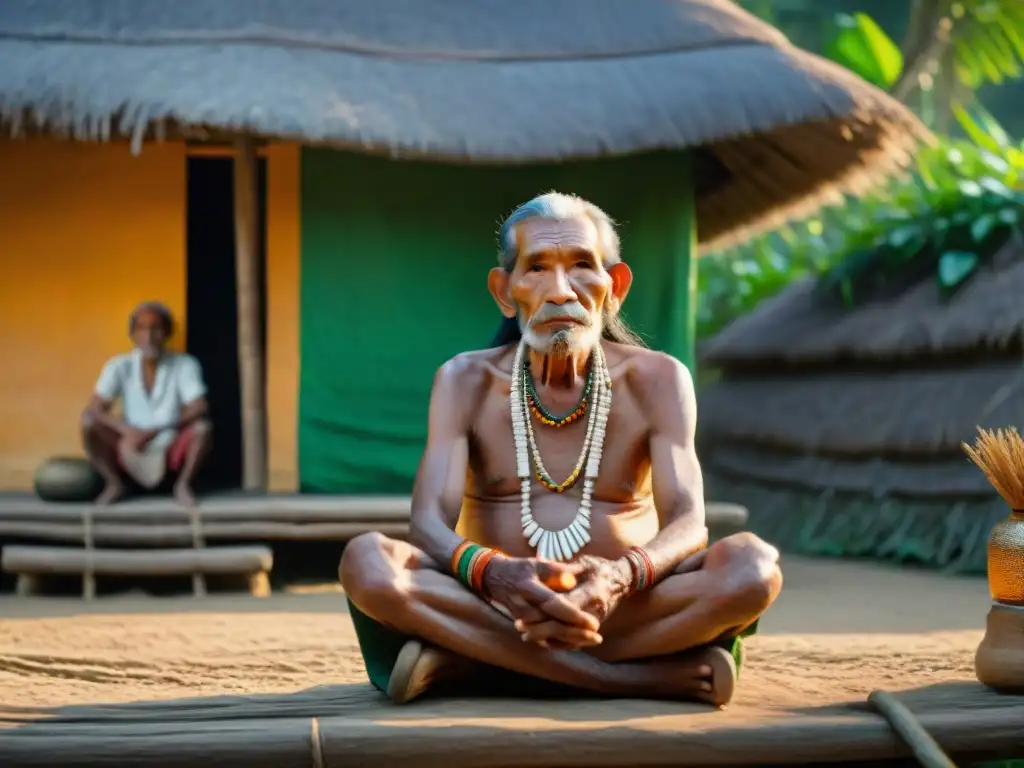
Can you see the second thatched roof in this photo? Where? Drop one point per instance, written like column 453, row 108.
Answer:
column 875, row 399
column 781, row 131
column 804, row 326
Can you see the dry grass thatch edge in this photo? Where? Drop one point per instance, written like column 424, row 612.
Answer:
column 951, row 537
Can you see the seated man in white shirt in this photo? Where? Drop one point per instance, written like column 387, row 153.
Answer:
column 164, row 426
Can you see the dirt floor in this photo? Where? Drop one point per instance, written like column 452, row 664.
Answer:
column 839, row 630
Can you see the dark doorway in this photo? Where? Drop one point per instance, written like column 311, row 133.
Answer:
column 212, row 308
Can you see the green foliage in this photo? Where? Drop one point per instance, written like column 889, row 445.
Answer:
column 962, row 202
column 733, row 282
column 988, row 39
column 955, row 267
column 861, row 45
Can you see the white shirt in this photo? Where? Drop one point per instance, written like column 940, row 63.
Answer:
column 178, row 382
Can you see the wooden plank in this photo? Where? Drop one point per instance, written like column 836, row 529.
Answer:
column 88, row 575
column 788, row 741
column 246, row 744
column 179, row 734
column 248, row 276
column 110, row 562
column 270, row 508
column 178, row 534
column 725, row 515
column 198, row 542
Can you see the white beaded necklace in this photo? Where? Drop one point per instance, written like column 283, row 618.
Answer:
column 566, row 543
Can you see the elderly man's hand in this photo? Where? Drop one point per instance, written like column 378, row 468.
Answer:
column 533, row 592
column 601, row 585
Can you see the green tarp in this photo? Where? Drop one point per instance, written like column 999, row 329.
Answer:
column 394, row 268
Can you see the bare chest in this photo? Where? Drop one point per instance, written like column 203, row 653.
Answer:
column 625, row 460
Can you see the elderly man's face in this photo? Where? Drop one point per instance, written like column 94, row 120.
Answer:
column 149, row 334
column 559, row 285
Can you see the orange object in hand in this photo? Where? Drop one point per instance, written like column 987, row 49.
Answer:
column 560, row 581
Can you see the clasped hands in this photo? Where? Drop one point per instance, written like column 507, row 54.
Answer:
column 559, row 606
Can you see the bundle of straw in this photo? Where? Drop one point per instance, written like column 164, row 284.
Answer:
column 1000, row 455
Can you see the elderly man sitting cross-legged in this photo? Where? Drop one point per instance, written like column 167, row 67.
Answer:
column 558, row 517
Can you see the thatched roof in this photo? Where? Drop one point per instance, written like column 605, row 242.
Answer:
column 486, row 81
column 883, row 394
column 851, row 414
column 803, row 325
column 953, row 476
column 870, row 516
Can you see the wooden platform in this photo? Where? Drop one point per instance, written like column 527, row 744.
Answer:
column 162, row 666
column 159, row 522
column 30, row 563
column 352, row 725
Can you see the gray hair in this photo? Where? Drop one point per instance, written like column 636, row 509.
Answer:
column 159, row 309
column 558, row 206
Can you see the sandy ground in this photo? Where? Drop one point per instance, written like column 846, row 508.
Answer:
column 839, row 630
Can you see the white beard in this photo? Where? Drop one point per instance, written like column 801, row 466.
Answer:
column 562, row 343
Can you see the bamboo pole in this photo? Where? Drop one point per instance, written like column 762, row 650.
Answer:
column 229, row 560
column 250, row 343
column 926, row 750
column 176, row 535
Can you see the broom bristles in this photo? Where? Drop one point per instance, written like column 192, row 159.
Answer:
column 1000, row 455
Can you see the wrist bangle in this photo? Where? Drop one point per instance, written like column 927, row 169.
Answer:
column 457, row 556
column 479, row 569
column 644, row 575
column 652, row 574
column 469, row 561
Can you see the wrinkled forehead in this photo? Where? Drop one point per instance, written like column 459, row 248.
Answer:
column 537, row 235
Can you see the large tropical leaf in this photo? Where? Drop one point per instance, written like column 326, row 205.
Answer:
column 861, row 45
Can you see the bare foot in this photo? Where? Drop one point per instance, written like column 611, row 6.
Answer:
column 183, row 495
column 112, row 492
column 419, row 666
column 707, row 674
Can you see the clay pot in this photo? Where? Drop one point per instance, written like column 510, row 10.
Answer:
column 67, row 479
column 999, row 661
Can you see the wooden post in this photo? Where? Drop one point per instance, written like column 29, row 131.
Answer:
column 250, row 346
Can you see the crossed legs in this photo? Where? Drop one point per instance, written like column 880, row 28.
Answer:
column 652, row 642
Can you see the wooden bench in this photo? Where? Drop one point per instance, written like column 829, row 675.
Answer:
column 30, row 563
column 158, row 522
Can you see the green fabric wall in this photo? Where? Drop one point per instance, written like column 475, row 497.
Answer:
column 394, row 262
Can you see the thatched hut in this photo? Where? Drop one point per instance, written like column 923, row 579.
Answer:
column 394, row 134
column 841, row 428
